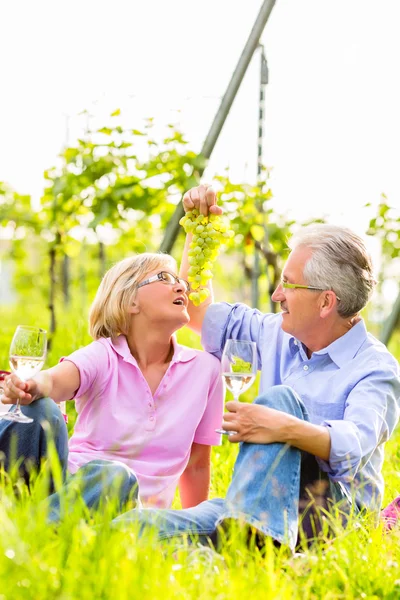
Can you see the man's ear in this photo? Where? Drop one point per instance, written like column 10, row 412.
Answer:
column 328, row 303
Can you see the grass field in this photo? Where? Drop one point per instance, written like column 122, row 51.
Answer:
column 92, row 561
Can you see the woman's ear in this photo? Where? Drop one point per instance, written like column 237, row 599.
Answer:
column 134, row 308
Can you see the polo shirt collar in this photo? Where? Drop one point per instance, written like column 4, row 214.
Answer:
column 181, row 353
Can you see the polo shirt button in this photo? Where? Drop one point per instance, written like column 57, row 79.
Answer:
column 150, row 404
column 296, row 343
column 151, row 418
column 305, row 367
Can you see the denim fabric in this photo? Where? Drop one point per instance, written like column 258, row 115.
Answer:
column 28, row 441
column 95, row 481
column 264, row 491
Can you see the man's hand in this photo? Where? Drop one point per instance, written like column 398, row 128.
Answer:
column 15, row 389
column 203, row 198
column 256, row 424
column 259, row 424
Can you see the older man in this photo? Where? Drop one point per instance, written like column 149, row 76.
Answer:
column 329, row 393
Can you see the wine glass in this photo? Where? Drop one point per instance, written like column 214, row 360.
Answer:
column 239, row 368
column 27, row 356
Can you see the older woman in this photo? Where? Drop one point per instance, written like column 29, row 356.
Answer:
column 145, row 415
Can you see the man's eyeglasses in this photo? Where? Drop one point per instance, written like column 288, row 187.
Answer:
column 295, row 286
column 168, row 278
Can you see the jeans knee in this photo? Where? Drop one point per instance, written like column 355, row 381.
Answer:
column 44, row 409
column 283, row 398
column 110, row 472
column 123, row 474
column 47, row 414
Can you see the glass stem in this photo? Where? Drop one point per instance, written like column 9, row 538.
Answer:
column 18, row 410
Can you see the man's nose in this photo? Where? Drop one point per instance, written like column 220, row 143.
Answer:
column 278, row 294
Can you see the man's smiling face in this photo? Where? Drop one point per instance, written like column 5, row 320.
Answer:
column 300, row 307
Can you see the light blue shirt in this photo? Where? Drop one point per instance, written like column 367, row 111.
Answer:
column 352, row 387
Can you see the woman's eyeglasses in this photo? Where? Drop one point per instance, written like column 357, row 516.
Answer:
column 168, row 278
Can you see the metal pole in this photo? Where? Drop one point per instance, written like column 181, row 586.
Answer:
column 172, row 229
column 255, row 291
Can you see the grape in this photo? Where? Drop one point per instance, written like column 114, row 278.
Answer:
column 208, row 234
column 240, row 366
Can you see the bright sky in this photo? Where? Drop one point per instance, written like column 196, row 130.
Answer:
column 332, row 125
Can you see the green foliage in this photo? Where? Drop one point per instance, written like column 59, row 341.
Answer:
column 116, row 187
column 113, row 193
column 386, row 226
column 252, row 218
column 15, row 210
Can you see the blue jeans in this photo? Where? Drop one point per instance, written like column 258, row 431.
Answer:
column 28, row 442
column 265, row 491
column 96, row 482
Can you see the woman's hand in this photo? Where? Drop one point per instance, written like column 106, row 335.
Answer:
column 203, row 198
column 59, row 383
column 256, row 424
column 15, row 389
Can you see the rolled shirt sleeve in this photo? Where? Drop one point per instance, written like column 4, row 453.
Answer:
column 370, row 416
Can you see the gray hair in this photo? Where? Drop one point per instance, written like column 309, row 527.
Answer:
column 339, row 262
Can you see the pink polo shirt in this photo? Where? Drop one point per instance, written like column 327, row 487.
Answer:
column 120, row 420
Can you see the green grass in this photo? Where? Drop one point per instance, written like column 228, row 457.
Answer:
column 92, row 561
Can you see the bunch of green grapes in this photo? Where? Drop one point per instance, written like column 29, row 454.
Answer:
column 208, row 234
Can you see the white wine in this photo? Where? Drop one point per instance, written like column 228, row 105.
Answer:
column 26, row 366
column 238, row 383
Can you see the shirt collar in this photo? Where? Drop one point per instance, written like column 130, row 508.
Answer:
column 344, row 349
column 297, row 346
column 181, row 353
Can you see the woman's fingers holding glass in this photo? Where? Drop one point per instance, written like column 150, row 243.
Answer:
column 14, row 388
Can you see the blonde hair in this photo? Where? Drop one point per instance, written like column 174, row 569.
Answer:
column 108, row 316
